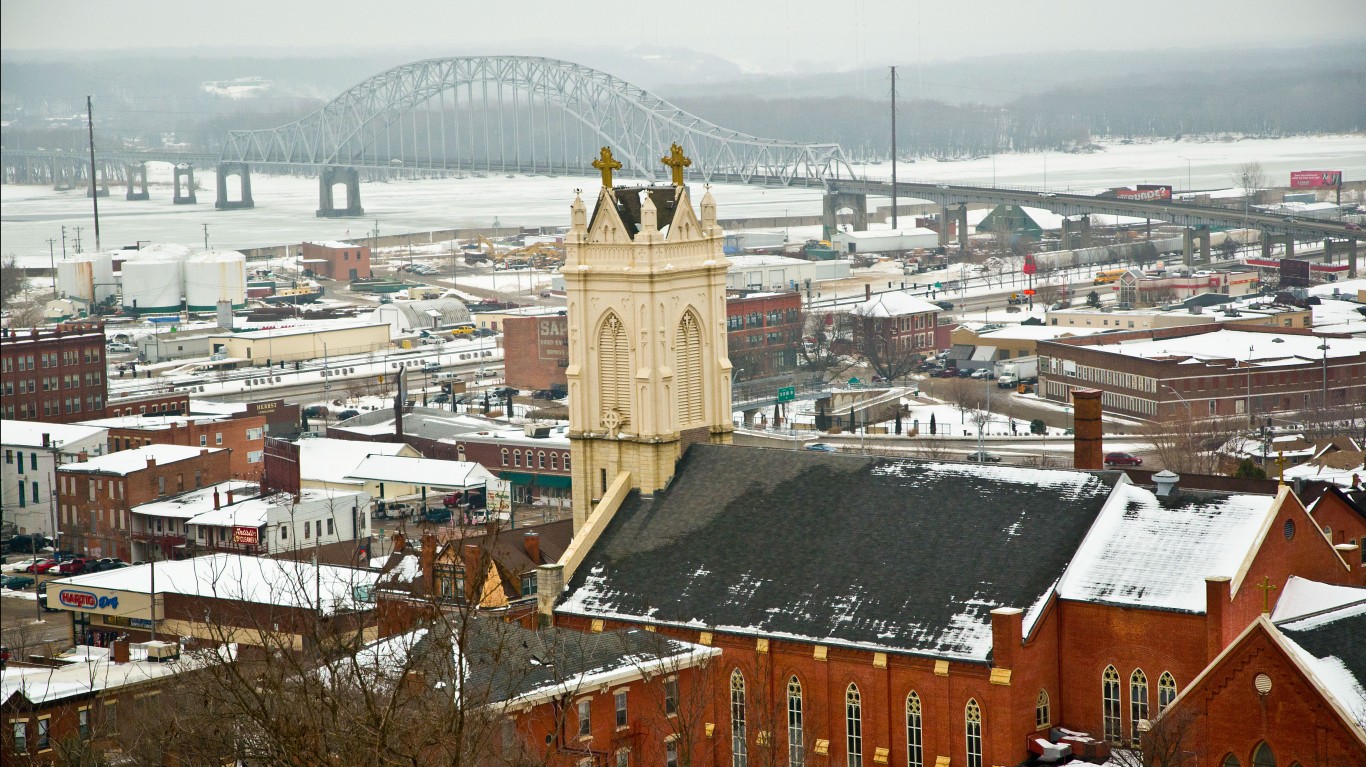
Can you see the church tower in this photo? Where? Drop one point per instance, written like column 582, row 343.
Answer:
column 648, row 369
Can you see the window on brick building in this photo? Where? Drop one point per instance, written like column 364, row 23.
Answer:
column 853, row 726
column 1166, row 691
column 1230, row 761
column 1263, row 756
column 504, row 456
column 585, row 718
column 620, row 700
column 1138, row 701
column 796, row 742
column 1110, row 706
column 972, row 719
column 738, row 752
column 671, row 753
column 671, row 696
column 20, row 741
column 915, row 731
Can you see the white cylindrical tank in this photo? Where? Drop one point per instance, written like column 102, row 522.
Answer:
column 153, row 284
column 87, row 276
column 213, row 276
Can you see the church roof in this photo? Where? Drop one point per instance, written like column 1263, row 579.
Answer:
column 1152, row 552
column 864, row 551
column 1330, row 646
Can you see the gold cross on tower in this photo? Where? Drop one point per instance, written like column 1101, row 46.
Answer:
column 606, row 163
column 1267, row 587
column 676, row 162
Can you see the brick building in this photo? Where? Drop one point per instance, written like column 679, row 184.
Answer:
column 763, row 331
column 335, row 260
column 55, row 375
column 95, row 497
column 244, row 436
column 172, row 403
column 1207, row 370
column 536, row 352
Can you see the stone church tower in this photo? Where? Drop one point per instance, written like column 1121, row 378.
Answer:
column 648, row 368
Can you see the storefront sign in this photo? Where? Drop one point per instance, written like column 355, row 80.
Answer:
column 246, row 536
column 84, row 600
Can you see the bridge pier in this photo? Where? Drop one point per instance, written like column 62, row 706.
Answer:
column 1271, row 240
column 137, row 181
column 963, row 228
column 1076, row 234
column 833, row 202
column 1188, row 239
column 98, row 185
column 183, row 171
column 243, row 173
column 331, row 176
column 64, row 177
column 1351, row 258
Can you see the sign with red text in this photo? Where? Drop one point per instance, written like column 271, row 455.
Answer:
column 1314, row 179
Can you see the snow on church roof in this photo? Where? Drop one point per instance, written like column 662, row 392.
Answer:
column 1328, row 642
column 857, row 551
column 1145, row 551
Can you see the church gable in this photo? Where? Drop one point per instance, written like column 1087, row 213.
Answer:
column 873, row 552
column 685, row 224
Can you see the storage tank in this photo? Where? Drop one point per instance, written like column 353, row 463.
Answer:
column 213, row 276
column 87, row 276
column 153, row 284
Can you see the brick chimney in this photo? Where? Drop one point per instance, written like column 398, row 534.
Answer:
column 1217, row 602
column 229, row 496
column 470, row 556
column 531, row 542
column 868, row 292
column 151, row 462
column 120, row 647
column 1088, row 452
column 216, row 504
column 426, row 558
column 1007, row 636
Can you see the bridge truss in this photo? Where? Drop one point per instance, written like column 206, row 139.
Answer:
column 520, row 114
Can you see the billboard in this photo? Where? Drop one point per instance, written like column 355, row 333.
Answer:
column 246, row 536
column 1294, row 273
column 1145, row 192
column 1312, row 179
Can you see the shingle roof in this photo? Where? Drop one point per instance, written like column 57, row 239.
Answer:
column 841, row 549
column 1333, row 647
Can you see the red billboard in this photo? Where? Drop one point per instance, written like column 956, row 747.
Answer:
column 1311, row 179
column 246, row 536
column 1145, row 192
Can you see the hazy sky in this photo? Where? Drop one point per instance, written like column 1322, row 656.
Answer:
column 762, row 35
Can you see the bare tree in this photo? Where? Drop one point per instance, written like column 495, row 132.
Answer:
column 826, row 340
column 890, row 354
column 1251, row 177
column 1172, row 740
column 1191, row 446
column 12, row 280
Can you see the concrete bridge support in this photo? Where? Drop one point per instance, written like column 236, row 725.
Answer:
column 64, row 176
column 137, row 181
column 962, row 216
column 1352, row 258
column 185, row 195
column 1076, row 234
column 1188, row 240
column 243, row 173
column 831, row 204
column 98, row 184
column 331, row 176
column 1271, row 240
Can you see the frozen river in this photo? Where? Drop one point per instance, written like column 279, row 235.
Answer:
column 285, row 205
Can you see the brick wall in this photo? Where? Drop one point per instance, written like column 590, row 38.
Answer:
column 339, row 263
column 55, row 375
column 244, row 436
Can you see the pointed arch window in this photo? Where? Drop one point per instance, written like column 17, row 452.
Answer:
column 1043, row 711
column 738, row 753
column 1230, row 761
column 972, row 718
column 915, row 731
column 1110, row 706
column 796, row 743
column 1138, row 701
column 1166, row 691
column 614, row 371
column 688, row 369
column 853, row 725
column 1263, row 756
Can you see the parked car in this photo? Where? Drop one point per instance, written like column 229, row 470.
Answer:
column 345, row 414
column 980, row 373
column 548, row 394
column 506, row 391
column 1122, row 459
column 982, row 456
column 436, row 516
column 1353, row 227
column 315, row 411
column 42, row 597
column 106, row 563
column 74, row 567
column 41, row 566
column 965, row 372
column 822, row 447
column 946, row 373
column 440, row 399
column 27, row 543
column 431, row 367
column 16, row 581
column 483, row 332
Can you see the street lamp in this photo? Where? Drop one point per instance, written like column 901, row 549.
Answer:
column 1189, row 414
column 1249, row 388
column 1323, row 347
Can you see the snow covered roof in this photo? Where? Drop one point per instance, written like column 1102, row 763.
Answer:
column 431, row 472
column 1302, row 597
column 1036, row 332
column 87, row 671
column 1046, row 219
column 30, row 433
column 1328, row 644
column 894, row 304
column 1205, row 343
column 188, row 504
column 126, row 462
column 303, row 330
column 241, row 578
column 330, row 460
column 740, row 262
column 800, row 545
column 884, row 234
column 1146, row 551
column 153, row 422
column 332, row 244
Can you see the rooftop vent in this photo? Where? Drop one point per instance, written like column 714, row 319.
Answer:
column 1166, row 482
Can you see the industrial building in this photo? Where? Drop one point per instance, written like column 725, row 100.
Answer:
column 259, row 347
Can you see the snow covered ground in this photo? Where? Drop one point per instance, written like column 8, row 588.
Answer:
column 286, row 204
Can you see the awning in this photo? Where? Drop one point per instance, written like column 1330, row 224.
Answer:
column 540, row 480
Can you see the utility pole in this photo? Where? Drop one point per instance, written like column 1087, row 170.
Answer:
column 894, row 148
column 206, row 236
column 52, row 262
column 78, row 239
column 94, row 190
column 63, row 242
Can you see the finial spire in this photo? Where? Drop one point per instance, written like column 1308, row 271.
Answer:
column 676, row 162
column 606, row 163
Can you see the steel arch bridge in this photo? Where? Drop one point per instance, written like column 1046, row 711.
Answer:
column 523, row 114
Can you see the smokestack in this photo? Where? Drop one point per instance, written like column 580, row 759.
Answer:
column 229, row 496
column 532, row 543
column 868, row 292
column 216, row 504
column 1088, row 452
